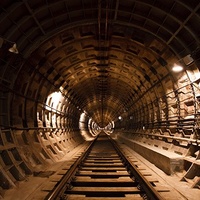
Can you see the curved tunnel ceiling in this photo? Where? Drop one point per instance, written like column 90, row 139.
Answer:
column 107, row 58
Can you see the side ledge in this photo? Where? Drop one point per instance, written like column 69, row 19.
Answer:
column 167, row 161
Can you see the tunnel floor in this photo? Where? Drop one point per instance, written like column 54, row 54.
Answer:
column 39, row 185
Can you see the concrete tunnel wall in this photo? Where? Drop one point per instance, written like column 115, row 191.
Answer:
column 46, row 88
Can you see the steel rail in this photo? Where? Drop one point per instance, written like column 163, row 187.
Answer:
column 64, row 183
column 150, row 191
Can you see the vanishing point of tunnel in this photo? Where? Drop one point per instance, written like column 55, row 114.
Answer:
column 70, row 69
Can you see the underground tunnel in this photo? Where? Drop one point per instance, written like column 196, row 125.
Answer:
column 70, row 70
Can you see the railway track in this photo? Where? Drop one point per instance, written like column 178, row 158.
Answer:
column 104, row 172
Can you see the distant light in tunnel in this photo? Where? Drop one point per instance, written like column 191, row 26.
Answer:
column 177, row 68
column 120, row 117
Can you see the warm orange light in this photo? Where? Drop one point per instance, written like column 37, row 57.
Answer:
column 53, row 100
column 177, row 68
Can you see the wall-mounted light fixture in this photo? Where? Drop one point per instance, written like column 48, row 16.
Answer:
column 13, row 48
column 186, row 60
